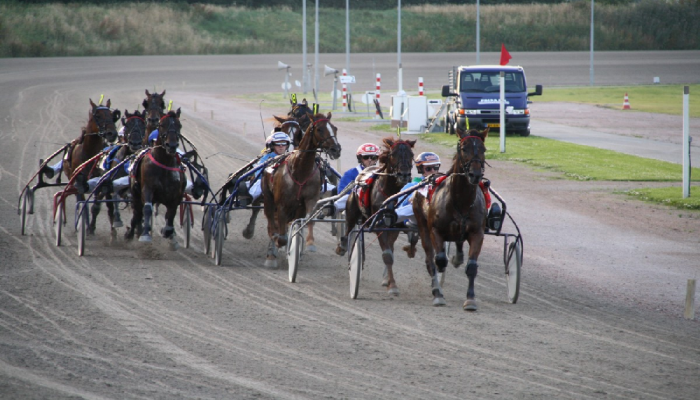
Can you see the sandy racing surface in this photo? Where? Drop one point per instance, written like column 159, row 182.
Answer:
column 599, row 316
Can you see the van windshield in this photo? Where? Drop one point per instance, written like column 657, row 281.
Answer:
column 488, row 81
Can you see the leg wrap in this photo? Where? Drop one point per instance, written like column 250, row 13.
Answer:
column 441, row 261
column 471, row 269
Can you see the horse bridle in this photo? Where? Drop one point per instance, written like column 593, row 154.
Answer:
column 298, row 109
column 132, row 129
column 320, row 143
column 292, row 130
column 465, row 165
column 401, row 160
column 172, row 127
column 154, row 107
column 101, row 125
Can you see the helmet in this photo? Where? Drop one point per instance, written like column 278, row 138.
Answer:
column 367, row 149
column 426, row 158
column 278, row 137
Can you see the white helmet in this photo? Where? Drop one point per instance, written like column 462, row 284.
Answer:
column 278, row 137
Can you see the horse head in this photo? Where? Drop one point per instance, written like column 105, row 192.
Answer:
column 470, row 158
column 397, row 159
column 169, row 131
column 323, row 135
column 301, row 113
column 101, row 121
column 134, row 129
column 291, row 127
column 153, row 106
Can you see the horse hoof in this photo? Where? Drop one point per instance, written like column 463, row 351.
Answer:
column 117, row 224
column 385, row 282
column 410, row 252
column 311, row 248
column 247, row 233
column 393, row 291
column 388, row 257
column 173, row 245
column 271, row 264
column 145, row 238
column 340, row 251
column 439, row 301
column 470, row 305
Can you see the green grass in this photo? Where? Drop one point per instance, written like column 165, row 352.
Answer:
column 672, row 196
column 576, row 161
column 665, row 99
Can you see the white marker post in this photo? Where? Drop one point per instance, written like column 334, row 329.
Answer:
column 502, row 106
column 686, row 142
column 689, row 312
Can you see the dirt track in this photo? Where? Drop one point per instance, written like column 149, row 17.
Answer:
column 600, row 315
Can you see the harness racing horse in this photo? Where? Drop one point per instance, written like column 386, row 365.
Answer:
column 393, row 172
column 301, row 113
column 154, row 106
column 158, row 179
column 292, row 189
column 291, row 127
column 134, row 133
column 99, row 131
column 455, row 213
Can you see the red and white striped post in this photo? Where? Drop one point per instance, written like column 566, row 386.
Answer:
column 345, row 92
column 379, row 85
column 420, row 86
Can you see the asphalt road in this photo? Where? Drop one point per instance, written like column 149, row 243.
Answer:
column 599, row 314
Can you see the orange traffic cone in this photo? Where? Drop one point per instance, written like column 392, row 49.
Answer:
column 626, row 104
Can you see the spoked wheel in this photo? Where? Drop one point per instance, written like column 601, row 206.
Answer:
column 59, row 220
column 357, row 258
column 294, row 248
column 187, row 228
column 514, row 262
column 82, row 229
column 27, row 202
column 219, row 235
column 206, row 228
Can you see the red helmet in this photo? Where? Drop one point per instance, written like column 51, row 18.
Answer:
column 368, row 149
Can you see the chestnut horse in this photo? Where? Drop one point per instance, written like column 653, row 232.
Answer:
column 99, row 132
column 158, row 179
column 292, row 190
column 455, row 213
column 392, row 173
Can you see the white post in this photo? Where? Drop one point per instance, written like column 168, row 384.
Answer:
column 689, row 312
column 316, row 54
column 345, row 92
column 420, row 86
column 502, row 106
column 478, row 17
column 305, row 78
column 379, row 85
column 686, row 142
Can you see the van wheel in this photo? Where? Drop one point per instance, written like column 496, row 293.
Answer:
column 524, row 133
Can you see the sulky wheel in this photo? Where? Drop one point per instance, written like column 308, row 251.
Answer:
column 82, row 229
column 294, row 249
column 514, row 262
column 206, row 228
column 357, row 257
column 27, row 202
column 219, row 235
column 187, row 228
column 59, row 221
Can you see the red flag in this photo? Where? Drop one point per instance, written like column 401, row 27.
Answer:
column 505, row 55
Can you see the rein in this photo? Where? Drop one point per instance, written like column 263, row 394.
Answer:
column 153, row 160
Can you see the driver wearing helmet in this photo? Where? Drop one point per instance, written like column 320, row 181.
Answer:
column 367, row 155
column 276, row 144
column 427, row 163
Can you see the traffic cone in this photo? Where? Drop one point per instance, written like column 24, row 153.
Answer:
column 626, row 104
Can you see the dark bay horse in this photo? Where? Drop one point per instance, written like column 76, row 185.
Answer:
column 455, row 213
column 158, row 179
column 392, row 173
column 154, row 107
column 134, row 133
column 302, row 113
column 293, row 189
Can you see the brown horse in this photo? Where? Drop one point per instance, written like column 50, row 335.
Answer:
column 292, row 190
column 99, row 131
column 392, row 173
column 154, row 106
column 455, row 213
column 301, row 112
column 158, row 179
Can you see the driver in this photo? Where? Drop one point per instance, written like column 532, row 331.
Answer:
column 367, row 155
column 276, row 144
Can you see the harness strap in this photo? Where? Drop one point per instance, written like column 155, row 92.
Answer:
column 300, row 184
column 150, row 156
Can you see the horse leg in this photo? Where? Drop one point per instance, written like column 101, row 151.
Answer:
column 458, row 258
column 95, row 210
column 475, row 242
column 310, row 246
column 136, row 217
column 168, row 230
column 352, row 214
column 271, row 258
column 249, row 230
column 386, row 241
column 113, row 210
